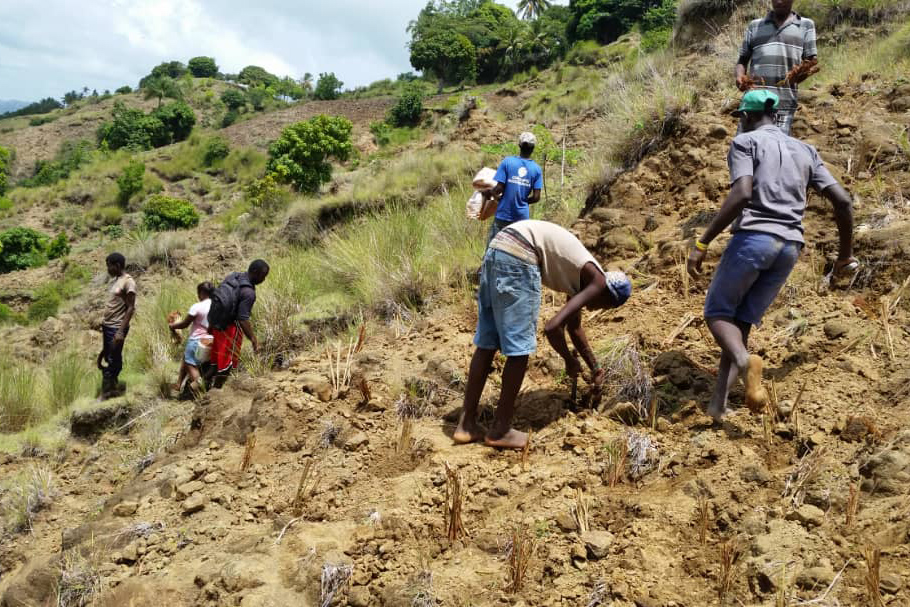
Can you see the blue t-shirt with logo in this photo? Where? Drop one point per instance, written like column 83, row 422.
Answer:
column 520, row 176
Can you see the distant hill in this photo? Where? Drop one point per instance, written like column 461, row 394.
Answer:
column 11, row 105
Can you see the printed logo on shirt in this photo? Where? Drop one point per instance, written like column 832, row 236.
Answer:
column 522, row 172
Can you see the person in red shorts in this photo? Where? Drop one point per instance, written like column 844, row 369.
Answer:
column 229, row 316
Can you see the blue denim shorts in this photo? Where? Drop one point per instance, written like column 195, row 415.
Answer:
column 752, row 271
column 508, row 304
column 189, row 353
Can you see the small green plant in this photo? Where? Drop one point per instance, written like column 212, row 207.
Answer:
column 70, row 156
column 58, row 247
column 46, row 303
column 129, row 182
column 5, row 156
column 382, row 133
column 166, row 213
column 266, row 198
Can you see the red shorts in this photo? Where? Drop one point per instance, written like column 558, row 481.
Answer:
column 226, row 348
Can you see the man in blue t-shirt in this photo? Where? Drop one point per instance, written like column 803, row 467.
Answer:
column 518, row 184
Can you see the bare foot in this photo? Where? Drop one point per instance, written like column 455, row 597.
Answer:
column 756, row 395
column 716, row 411
column 467, row 433
column 513, row 439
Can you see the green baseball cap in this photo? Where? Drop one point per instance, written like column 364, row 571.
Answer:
column 755, row 101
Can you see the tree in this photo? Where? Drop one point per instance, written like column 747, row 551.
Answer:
column 130, row 128
column 5, row 157
column 253, row 75
column 300, row 156
column 71, row 97
column 22, row 248
column 447, row 55
column 233, row 99
column 257, row 97
column 306, row 83
column 161, row 87
column 328, row 86
column 124, row 90
column 129, row 182
column 203, row 67
column 171, row 69
column 607, row 20
column 409, row 107
column 531, row 9
column 288, row 88
column 178, row 119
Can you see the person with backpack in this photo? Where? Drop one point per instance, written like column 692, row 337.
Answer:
column 229, row 315
column 198, row 318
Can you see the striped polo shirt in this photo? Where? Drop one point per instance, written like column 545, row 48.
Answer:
column 774, row 51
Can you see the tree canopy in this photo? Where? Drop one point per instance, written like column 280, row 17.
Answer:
column 253, row 75
column 328, row 86
column 300, row 156
column 203, row 67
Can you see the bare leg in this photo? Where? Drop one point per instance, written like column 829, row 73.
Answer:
column 468, row 431
column 727, row 373
column 182, row 375
column 501, row 434
column 732, row 336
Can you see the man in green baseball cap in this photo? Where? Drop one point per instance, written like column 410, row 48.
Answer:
column 770, row 173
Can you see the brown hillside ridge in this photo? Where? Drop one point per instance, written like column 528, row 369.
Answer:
column 634, row 504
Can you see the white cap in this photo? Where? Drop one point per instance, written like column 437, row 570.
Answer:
column 528, row 138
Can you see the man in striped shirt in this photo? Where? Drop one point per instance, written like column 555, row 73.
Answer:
column 772, row 47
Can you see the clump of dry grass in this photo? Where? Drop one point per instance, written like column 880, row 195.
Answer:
column 454, row 500
column 334, row 578
column 729, row 559
column 627, row 376
column 616, row 453
column 873, row 576
column 305, row 487
column 25, row 496
column 703, row 512
column 797, row 481
column 519, row 550
column 79, row 579
column 580, row 511
column 248, row 452
column 598, row 597
column 421, row 589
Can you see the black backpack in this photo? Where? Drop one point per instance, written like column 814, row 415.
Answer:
column 225, row 299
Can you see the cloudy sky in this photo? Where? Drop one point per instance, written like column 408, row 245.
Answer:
column 54, row 46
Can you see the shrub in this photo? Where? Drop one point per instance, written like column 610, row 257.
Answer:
column 409, row 107
column 253, row 75
column 178, row 119
column 21, row 248
column 124, row 90
column 216, row 149
column 5, row 157
column 5, row 204
column 8, row 315
column 71, row 155
column 266, row 198
column 39, row 120
column 58, row 247
column 300, row 156
column 327, row 87
column 382, row 133
column 230, row 117
column 166, row 213
column 203, row 67
column 106, row 216
column 146, row 248
column 46, row 303
column 25, row 495
column 258, row 96
column 129, row 182
column 130, row 128
column 233, row 99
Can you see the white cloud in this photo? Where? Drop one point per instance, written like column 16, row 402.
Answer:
column 104, row 44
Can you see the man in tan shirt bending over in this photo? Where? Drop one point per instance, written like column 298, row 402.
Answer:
column 519, row 259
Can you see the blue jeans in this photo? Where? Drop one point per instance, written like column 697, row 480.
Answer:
column 113, row 354
column 751, row 273
column 496, row 226
column 508, row 303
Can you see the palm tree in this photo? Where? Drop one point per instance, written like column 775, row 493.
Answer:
column 162, row 87
column 532, row 9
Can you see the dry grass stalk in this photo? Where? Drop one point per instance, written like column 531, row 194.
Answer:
column 704, row 509
column 889, row 340
column 340, row 363
column 782, row 598
column 305, row 487
column 526, row 452
column 520, row 549
column 797, row 481
column 405, row 438
column 873, row 576
column 361, row 339
column 364, row 387
column 616, row 452
column 580, row 511
column 453, row 504
column 248, row 451
column 852, row 505
column 687, row 320
column 767, row 422
column 684, row 274
column 334, row 578
column 775, row 402
column 652, row 414
column 729, row 558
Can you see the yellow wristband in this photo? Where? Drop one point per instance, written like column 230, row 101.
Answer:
column 701, row 246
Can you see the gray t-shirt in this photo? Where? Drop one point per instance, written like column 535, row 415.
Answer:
column 782, row 169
